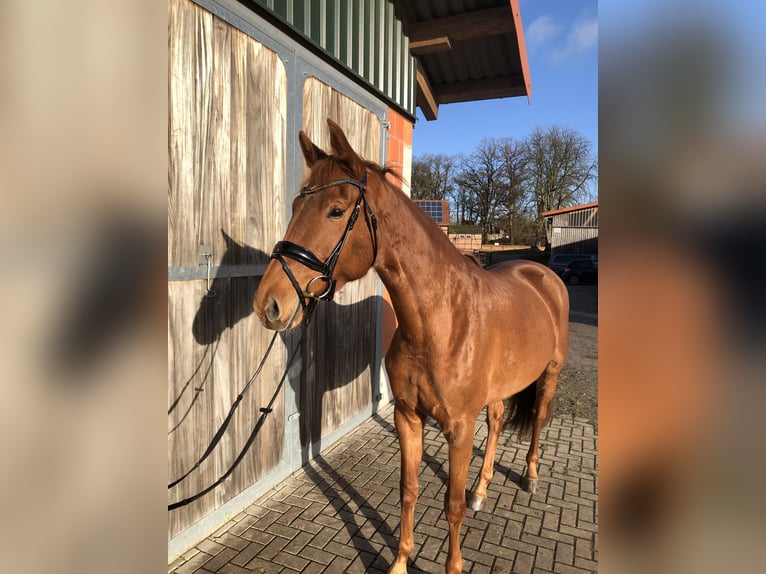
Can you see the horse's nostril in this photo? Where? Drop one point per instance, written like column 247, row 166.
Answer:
column 272, row 310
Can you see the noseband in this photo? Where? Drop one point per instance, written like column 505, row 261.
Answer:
column 326, row 268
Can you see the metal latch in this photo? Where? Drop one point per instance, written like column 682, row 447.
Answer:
column 206, row 258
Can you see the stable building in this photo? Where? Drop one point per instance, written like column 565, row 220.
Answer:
column 573, row 229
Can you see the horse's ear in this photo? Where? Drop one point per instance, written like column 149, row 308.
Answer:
column 227, row 239
column 311, row 153
column 340, row 145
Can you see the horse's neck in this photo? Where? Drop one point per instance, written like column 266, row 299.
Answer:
column 414, row 261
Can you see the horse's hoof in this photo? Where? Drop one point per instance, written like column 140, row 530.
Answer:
column 531, row 485
column 477, row 503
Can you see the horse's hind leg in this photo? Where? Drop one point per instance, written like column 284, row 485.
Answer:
column 495, row 425
column 546, row 388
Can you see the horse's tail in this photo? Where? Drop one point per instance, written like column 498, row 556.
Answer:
column 522, row 412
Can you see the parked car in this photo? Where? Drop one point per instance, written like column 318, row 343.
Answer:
column 559, row 261
column 581, row 271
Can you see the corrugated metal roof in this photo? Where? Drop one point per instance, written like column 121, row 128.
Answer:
column 466, row 50
column 364, row 36
column 429, row 52
column 573, row 208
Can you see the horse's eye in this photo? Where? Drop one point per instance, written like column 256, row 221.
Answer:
column 335, row 213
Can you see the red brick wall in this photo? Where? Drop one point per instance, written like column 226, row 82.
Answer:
column 398, row 154
column 399, row 148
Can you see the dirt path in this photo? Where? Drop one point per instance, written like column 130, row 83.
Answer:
column 577, row 392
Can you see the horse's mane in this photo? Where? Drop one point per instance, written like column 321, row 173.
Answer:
column 388, row 169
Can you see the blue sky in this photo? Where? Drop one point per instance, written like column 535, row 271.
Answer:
column 562, row 47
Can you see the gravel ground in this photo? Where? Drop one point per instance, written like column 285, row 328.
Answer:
column 577, row 391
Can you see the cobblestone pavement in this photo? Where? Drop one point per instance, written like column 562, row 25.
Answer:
column 340, row 513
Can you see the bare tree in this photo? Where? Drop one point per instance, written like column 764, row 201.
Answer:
column 513, row 167
column 508, row 184
column 432, row 176
column 482, row 177
column 461, row 201
column 559, row 167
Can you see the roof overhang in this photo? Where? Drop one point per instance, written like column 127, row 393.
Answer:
column 466, row 51
column 572, row 208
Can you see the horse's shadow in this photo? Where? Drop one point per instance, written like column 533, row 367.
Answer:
column 332, row 355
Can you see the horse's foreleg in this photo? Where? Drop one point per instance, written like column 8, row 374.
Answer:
column 546, row 388
column 460, row 439
column 495, row 425
column 409, row 426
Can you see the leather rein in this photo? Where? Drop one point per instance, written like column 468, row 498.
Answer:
column 326, row 268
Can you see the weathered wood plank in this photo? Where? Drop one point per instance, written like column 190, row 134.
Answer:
column 462, row 27
column 227, row 131
column 212, row 354
column 227, row 107
column 340, row 344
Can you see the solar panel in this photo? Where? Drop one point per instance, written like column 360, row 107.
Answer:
column 434, row 208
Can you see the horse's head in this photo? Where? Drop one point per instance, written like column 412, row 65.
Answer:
column 331, row 238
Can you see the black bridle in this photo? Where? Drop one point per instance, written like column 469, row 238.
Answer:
column 326, row 268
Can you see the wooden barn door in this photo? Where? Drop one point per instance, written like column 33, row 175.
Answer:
column 236, row 102
column 226, row 206
column 340, row 348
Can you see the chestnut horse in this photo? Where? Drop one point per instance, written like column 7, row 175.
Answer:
column 467, row 337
